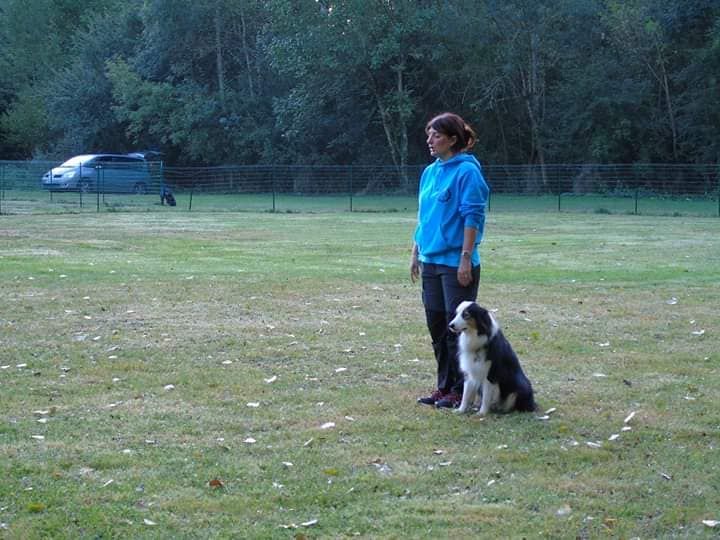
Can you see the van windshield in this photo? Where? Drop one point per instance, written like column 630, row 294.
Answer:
column 77, row 160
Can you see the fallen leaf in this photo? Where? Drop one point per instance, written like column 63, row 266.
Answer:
column 36, row 508
column 564, row 510
column 328, row 425
column 216, row 484
column 106, row 484
column 250, row 440
column 271, row 379
column 698, row 332
column 253, row 404
column 666, row 476
column 629, row 417
column 309, row 523
column 149, row 522
column 711, row 522
column 614, row 437
column 551, row 410
column 592, row 444
column 169, row 387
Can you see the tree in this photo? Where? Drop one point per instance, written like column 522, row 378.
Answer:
column 357, row 71
column 36, row 40
column 79, row 96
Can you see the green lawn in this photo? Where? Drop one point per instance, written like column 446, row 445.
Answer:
column 14, row 202
column 254, row 375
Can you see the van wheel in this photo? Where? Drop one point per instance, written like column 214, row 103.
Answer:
column 139, row 189
column 84, row 186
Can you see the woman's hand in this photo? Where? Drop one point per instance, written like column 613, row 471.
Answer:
column 414, row 268
column 464, row 275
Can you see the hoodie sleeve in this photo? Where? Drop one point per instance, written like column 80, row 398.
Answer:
column 474, row 194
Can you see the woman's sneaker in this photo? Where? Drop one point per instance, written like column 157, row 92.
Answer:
column 433, row 398
column 451, row 400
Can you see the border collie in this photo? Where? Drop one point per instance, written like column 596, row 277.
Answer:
column 489, row 364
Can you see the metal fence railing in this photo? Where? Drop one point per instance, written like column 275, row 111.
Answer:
column 665, row 189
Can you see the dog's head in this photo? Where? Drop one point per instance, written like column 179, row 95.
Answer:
column 469, row 316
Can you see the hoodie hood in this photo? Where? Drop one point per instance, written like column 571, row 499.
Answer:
column 457, row 159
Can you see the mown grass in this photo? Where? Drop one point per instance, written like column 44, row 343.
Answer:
column 38, row 201
column 133, row 345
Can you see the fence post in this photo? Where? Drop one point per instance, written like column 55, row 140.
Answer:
column 272, row 186
column 97, row 187
column 191, row 195
column 559, row 198
column 2, row 185
column 351, row 188
column 637, row 194
column 162, row 184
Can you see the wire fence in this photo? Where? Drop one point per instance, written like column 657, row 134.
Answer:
column 652, row 189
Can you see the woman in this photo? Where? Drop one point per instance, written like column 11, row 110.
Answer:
column 452, row 199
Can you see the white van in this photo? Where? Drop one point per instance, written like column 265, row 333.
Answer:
column 110, row 173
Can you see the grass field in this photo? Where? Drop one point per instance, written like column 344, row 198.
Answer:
column 15, row 202
column 254, row 375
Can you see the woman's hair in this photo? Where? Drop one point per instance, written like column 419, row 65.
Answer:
column 452, row 125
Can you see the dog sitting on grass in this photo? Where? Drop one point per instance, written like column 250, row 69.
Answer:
column 489, row 364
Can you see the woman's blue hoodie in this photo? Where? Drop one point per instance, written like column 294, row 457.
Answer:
column 453, row 195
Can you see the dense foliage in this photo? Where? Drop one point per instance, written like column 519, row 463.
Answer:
column 351, row 81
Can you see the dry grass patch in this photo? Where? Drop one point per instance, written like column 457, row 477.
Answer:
column 281, row 356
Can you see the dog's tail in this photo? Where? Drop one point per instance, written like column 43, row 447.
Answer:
column 525, row 401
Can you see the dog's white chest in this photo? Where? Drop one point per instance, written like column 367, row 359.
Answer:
column 473, row 361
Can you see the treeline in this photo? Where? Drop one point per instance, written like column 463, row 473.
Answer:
column 354, row 81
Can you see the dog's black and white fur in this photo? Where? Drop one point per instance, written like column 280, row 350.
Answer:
column 489, row 364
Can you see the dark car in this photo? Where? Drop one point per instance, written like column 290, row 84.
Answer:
column 111, row 173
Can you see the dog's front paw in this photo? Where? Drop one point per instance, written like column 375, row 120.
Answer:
column 460, row 410
column 482, row 412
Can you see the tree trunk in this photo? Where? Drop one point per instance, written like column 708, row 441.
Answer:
column 218, row 57
column 670, row 111
column 534, row 95
column 248, row 63
column 402, row 121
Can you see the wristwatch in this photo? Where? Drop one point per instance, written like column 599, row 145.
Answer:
column 466, row 254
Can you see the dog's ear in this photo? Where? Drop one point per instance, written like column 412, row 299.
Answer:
column 481, row 316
